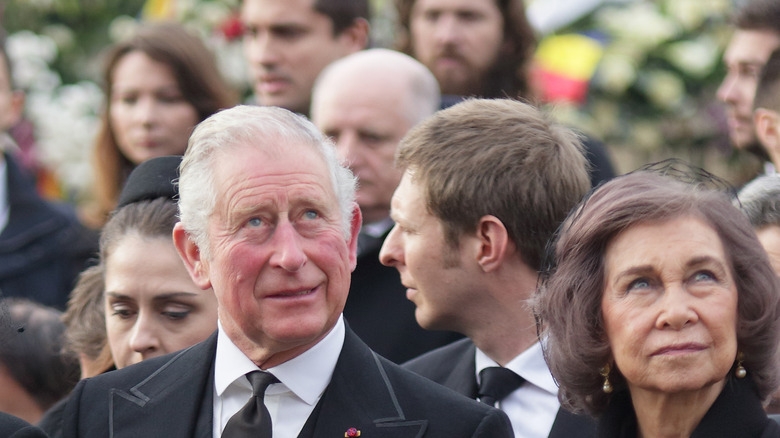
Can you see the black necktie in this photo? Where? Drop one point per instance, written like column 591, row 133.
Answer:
column 253, row 420
column 495, row 383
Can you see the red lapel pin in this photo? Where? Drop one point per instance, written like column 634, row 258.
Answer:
column 351, row 432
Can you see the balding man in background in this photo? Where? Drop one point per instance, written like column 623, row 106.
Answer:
column 367, row 102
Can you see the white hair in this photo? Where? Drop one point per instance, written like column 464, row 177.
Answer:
column 253, row 126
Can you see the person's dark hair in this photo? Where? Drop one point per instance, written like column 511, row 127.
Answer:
column 31, row 339
column 201, row 84
column 758, row 15
column 568, row 301
column 768, row 88
column 85, row 319
column 343, row 13
column 509, row 77
column 155, row 218
column 497, row 157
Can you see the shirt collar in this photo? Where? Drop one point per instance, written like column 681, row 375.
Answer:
column 306, row 375
column 529, row 365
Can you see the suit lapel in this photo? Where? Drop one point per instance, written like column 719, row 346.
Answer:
column 360, row 395
column 463, row 377
column 176, row 400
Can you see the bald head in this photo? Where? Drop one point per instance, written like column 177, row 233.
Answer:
column 367, row 102
column 384, row 74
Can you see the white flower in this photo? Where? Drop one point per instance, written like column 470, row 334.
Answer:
column 27, row 45
column 616, row 72
column 663, row 88
column 122, row 28
column 696, row 57
column 639, row 22
column 693, row 13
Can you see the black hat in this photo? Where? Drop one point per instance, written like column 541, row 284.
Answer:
column 152, row 179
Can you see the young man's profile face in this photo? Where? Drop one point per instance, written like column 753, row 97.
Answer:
column 745, row 56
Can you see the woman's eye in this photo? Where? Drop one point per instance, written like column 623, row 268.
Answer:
column 639, row 283
column 176, row 315
column 128, row 100
column 171, row 98
column 122, row 312
column 703, row 276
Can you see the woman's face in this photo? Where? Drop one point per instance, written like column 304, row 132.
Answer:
column 670, row 306
column 149, row 115
column 152, row 305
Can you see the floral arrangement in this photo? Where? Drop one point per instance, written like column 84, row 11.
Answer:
column 652, row 95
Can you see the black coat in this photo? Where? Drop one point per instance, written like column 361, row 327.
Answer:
column 736, row 413
column 43, row 247
column 172, row 396
column 12, row 427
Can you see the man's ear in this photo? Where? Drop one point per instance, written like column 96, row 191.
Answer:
column 354, row 231
column 189, row 252
column 494, row 243
column 767, row 123
column 355, row 37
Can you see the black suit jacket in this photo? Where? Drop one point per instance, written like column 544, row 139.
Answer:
column 378, row 311
column 454, row 366
column 172, row 396
column 13, row 427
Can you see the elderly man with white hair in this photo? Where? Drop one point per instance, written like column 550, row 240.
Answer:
column 268, row 220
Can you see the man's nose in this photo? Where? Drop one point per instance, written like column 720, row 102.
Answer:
column 391, row 253
column 288, row 253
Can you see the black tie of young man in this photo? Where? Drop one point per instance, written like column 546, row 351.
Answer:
column 495, row 383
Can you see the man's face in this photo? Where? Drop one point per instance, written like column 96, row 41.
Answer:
column 438, row 276
column 286, row 44
column 11, row 101
column 279, row 264
column 366, row 123
column 745, row 56
column 458, row 40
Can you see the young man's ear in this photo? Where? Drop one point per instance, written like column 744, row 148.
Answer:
column 355, row 37
column 196, row 265
column 767, row 124
column 494, row 243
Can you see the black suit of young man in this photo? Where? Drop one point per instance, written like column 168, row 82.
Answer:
column 454, row 366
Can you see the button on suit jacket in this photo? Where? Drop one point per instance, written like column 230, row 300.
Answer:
column 172, row 396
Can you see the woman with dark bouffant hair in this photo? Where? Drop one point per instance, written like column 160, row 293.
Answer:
column 159, row 84
column 662, row 312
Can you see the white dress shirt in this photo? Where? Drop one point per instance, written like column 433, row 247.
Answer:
column 302, row 379
column 532, row 408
